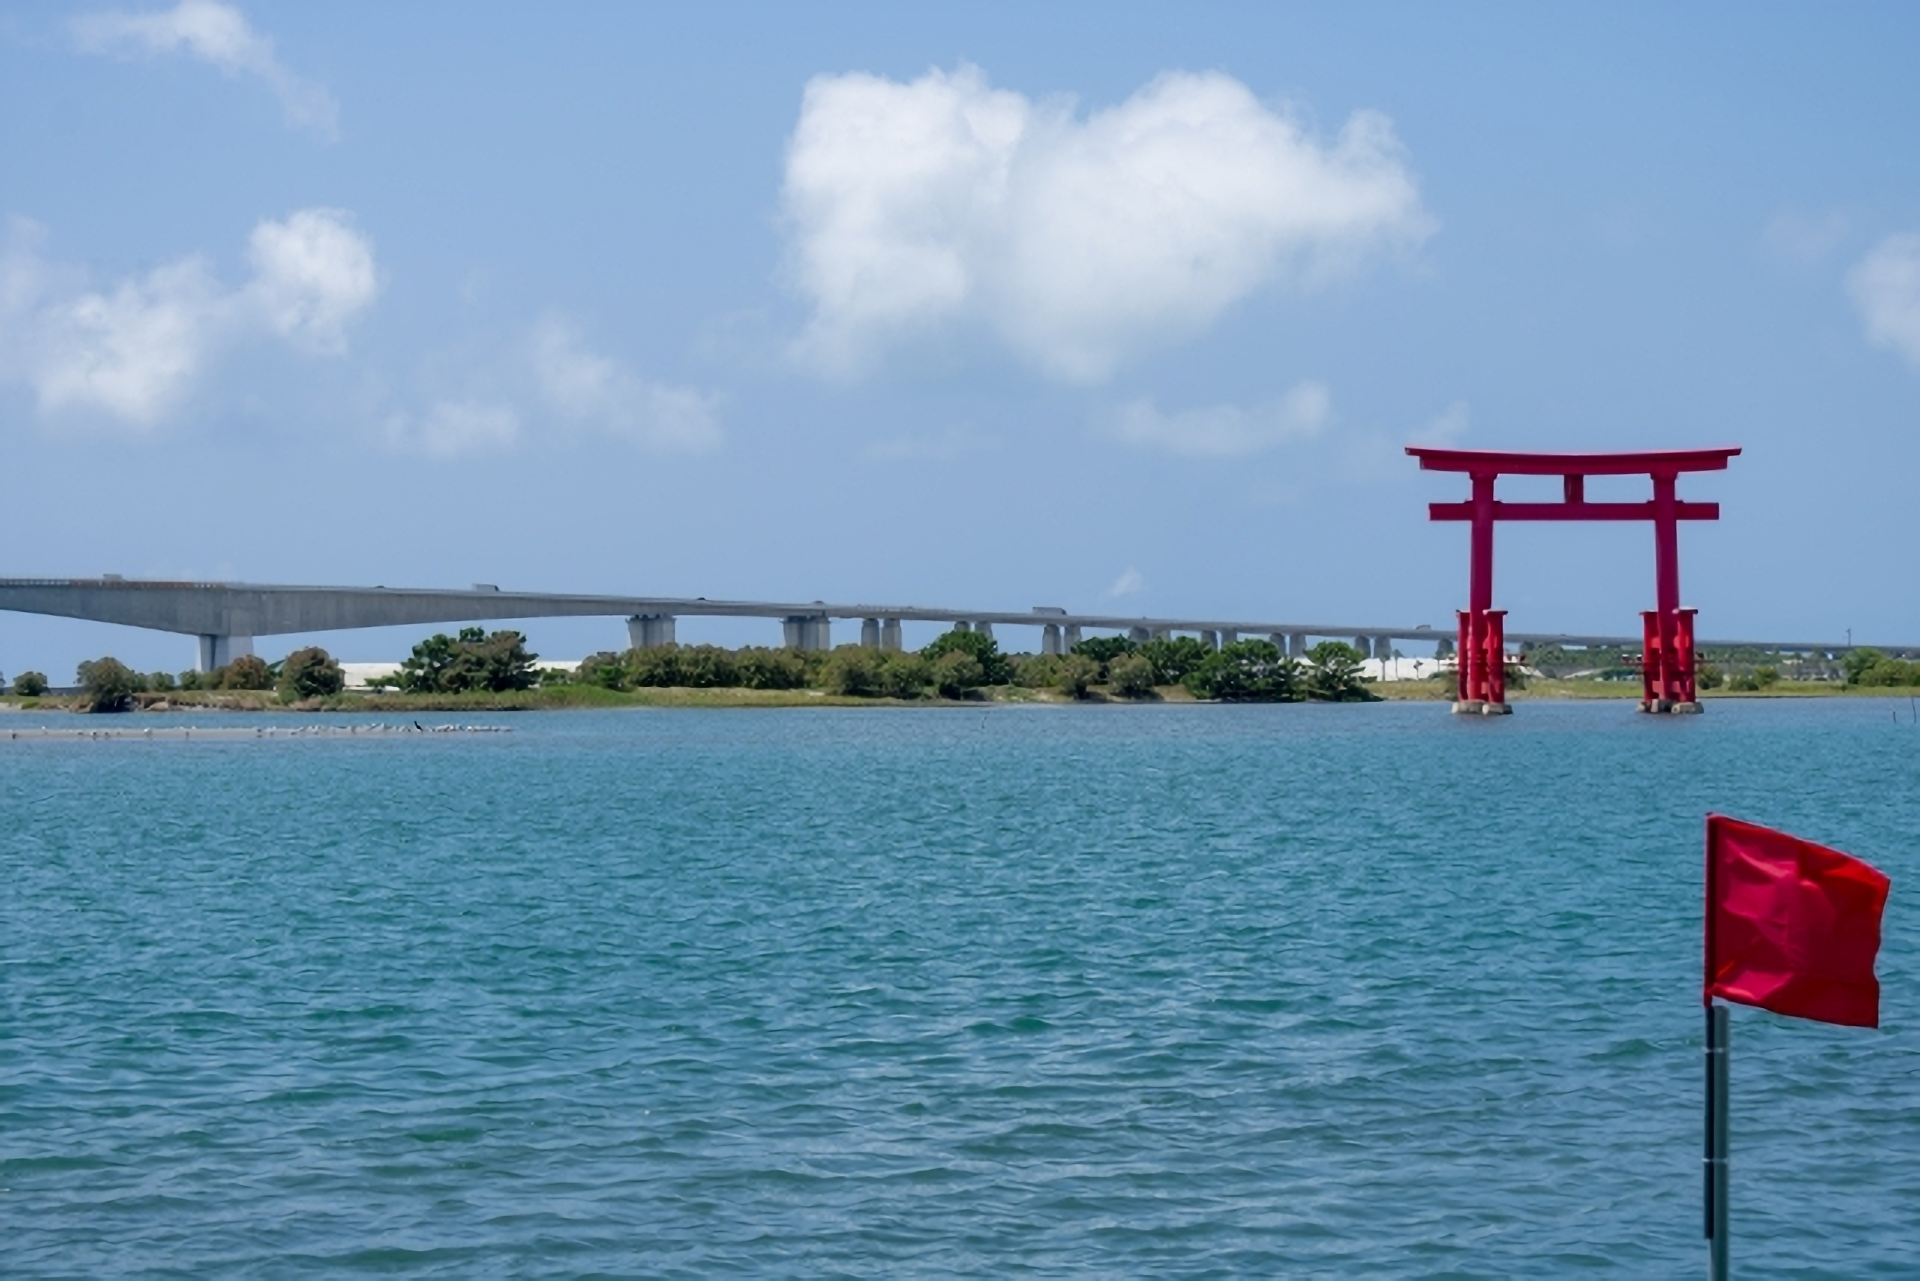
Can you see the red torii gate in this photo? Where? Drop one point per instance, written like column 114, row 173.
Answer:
column 1666, row 667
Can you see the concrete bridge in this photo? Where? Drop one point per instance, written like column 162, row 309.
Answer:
column 226, row 617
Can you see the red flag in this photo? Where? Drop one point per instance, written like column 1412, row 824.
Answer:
column 1792, row 926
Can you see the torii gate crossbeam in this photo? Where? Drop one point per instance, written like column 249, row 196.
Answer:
column 1667, row 663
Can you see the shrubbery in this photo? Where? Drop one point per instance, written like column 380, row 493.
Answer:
column 953, row 666
column 1872, row 667
column 1248, row 671
column 310, row 673
column 107, row 685
column 1130, row 676
column 473, row 661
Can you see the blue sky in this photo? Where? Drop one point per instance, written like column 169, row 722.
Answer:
column 1114, row 307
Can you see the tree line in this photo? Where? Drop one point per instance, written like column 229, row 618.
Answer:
column 958, row 663
column 954, row 666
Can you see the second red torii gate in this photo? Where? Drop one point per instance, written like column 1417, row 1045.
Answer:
column 1667, row 666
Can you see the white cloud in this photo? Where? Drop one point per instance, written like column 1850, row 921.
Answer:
column 602, row 394
column 1130, row 583
column 1221, row 431
column 1075, row 241
column 312, row 274
column 454, row 427
column 1449, row 425
column 1886, row 288
column 132, row 350
column 218, row 34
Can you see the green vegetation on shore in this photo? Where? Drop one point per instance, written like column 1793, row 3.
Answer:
column 478, row 670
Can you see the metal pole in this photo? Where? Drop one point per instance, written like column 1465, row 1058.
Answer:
column 1716, row 1158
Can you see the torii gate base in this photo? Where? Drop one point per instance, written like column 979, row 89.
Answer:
column 1667, row 661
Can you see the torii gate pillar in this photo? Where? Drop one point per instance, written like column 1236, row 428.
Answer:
column 1667, row 661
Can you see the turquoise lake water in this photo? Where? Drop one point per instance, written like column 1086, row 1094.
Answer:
column 1161, row 991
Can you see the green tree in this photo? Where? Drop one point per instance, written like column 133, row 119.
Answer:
column 1858, row 662
column 1248, row 671
column 1104, row 649
column 759, row 668
column 1035, row 671
column 249, row 671
column 495, row 662
column 30, row 684
column 708, row 667
column 310, row 673
column 107, row 685
column 854, row 671
column 1174, row 660
column 956, row 672
column 905, row 676
column 425, row 670
column 1333, row 674
column 475, row 660
column 655, row 667
column 604, row 668
column 1130, row 676
column 983, row 649
column 160, row 681
column 1077, row 675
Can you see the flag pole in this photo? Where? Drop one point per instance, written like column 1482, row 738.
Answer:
column 1716, row 1157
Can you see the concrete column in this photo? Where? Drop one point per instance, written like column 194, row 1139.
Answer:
column 870, row 633
column 1163, row 633
column 962, row 625
column 890, row 635
column 218, row 651
column 1050, row 639
column 1383, row 648
column 1229, row 637
column 1364, row 645
column 649, row 631
column 985, row 629
column 1279, row 640
column 1297, row 647
column 808, row 631
column 1071, row 637
column 1210, row 639
column 1139, row 635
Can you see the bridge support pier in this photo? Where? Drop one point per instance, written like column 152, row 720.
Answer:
column 1229, row 637
column 650, row 631
column 808, row 632
column 1139, row 635
column 962, row 625
column 1070, row 637
column 985, row 629
column 1050, row 639
column 870, row 633
column 890, row 635
column 1297, row 646
column 1383, row 648
column 218, row 651
column 1210, row 639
